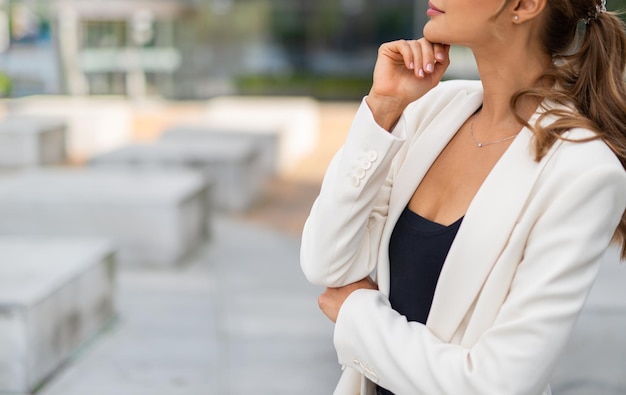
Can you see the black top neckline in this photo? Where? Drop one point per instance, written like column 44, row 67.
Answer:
column 426, row 226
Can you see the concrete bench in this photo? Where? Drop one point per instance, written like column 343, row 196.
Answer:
column 294, row 119
column 155, row 217
column 31, row 141
column 55, row 294
column 95, row 124
column 230, row 165
column 266, row 142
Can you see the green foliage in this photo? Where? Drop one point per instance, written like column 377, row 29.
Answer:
column 6, row 86
column 618, row 6
column 321, row 87
column 615, row 5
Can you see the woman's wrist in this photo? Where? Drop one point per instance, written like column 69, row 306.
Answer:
column 385, row 110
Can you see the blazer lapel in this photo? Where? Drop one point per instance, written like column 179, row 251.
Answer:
column 483, row 234
column 419, row 158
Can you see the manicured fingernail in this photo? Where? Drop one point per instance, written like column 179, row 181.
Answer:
column 430, row 67
column 420, row 72
column 411, row 66
column 439, row 56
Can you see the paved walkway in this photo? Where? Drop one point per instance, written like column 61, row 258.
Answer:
column 239, row 318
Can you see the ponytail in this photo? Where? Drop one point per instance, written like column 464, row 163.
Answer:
column 587, row 74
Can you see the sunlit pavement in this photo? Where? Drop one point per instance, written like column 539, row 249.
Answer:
column 237, row 318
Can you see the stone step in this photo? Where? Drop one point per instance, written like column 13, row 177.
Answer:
column 155, row 217
column 55, row 294
column 231, row 166
column 266, row 141
column 95, row 124
column 31, row 141
column 294, row 119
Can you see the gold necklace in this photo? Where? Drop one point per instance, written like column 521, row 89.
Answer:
column 478, row 143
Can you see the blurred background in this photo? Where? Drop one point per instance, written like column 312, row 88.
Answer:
column 158, row 159
column 137, row 48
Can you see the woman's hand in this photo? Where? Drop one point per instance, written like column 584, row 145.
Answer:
column 332, row 299
column 404, row 72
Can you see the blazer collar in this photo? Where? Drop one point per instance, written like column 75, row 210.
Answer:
column 433, row 138
column 496, row 206
column 426, row 148
column 483, row 235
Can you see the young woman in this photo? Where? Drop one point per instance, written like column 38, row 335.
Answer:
column 481, row 208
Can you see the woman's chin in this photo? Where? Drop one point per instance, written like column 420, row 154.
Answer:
column 434, row 37
column 430, row 33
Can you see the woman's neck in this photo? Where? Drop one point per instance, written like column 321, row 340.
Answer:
column 502, row 77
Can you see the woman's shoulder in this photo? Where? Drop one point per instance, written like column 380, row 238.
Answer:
column 578, row 149
column 582, row 151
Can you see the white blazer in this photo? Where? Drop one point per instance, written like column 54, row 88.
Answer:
column 516, row 276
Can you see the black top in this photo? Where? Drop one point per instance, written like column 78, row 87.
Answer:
column 417, row 250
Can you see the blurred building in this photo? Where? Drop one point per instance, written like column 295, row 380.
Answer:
column 196, row 48
column 93, row 46
column 119, row 46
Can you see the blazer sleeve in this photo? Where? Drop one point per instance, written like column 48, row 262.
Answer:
column 342, row 233
column 517, row 353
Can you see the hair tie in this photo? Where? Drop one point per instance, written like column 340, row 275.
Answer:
column 595, row 12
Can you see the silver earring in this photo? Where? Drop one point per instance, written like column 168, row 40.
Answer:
column 516, row 18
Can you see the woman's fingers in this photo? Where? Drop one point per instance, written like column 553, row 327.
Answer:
column 420, row 56
column 442, row 52
column 427, row 56
column 405, row 70
column 412, row 56
column 399, row 51
column 442, row 55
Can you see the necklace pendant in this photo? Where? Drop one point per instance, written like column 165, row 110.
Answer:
column 478, row 143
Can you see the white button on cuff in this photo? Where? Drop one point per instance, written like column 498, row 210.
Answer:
column 355, row 181
column 365, row 163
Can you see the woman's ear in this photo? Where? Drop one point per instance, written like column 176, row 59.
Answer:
column 526, row 10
